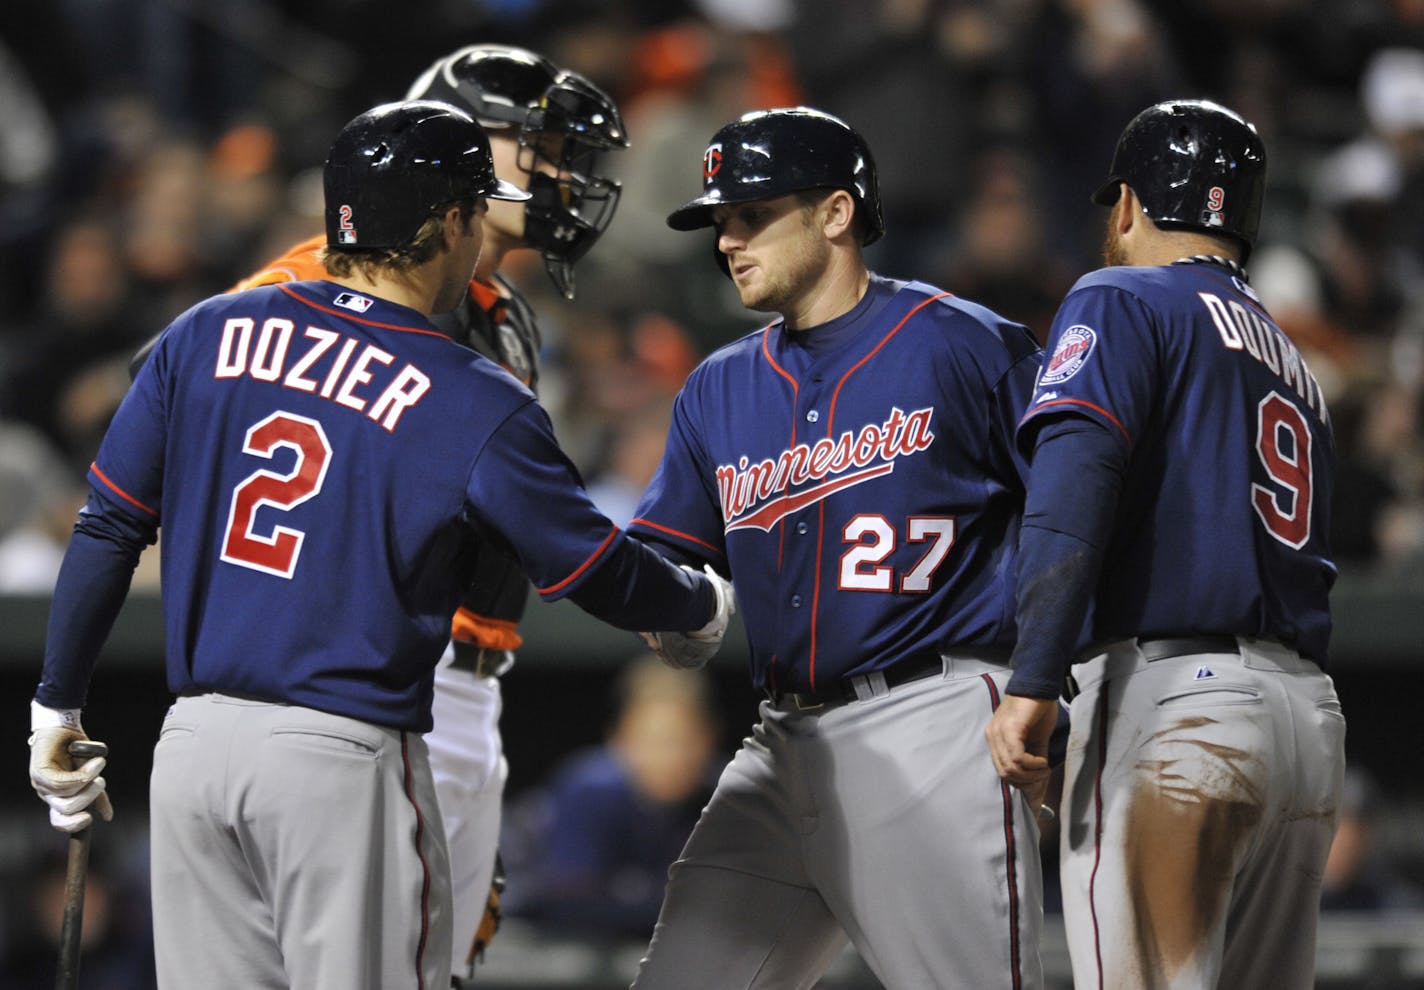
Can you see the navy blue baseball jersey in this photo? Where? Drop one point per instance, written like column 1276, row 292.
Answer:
column 1233, row 543
column 320, row 461
column 861, row 479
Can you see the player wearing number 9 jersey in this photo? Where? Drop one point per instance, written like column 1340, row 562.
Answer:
column 322, row 460
column 852, row 465
column 1174, row 548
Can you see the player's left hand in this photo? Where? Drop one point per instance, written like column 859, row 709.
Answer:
column 692, row 650
column 1018, row 740
column 74, row 793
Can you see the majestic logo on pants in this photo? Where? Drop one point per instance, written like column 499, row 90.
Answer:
column 759, row 495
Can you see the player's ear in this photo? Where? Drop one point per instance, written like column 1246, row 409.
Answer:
column 452, row 225
column 1127, row 210
column 838, row 213
column 457, row 220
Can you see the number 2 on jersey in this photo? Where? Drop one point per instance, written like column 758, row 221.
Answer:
column 874, row 540
column 1288, row 520
column 276, row 554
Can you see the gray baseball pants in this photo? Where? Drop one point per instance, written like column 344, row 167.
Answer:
column 295, row 848
column 881, row 821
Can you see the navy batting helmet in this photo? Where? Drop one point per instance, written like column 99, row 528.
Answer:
column 1193, row 164
column 505, row 86
column 770, row 153
column 394, row 166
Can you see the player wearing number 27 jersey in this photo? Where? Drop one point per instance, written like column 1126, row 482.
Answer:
column 852, row 464
column 855, row 533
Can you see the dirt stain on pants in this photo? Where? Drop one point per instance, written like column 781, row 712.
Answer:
column 1190, row 817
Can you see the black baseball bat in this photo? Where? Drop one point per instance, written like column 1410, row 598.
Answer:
column 67, row 976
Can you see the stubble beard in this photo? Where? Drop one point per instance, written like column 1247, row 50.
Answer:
column 1114, row 254
column 780, row 291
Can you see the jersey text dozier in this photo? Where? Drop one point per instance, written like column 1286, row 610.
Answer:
column 322, row 363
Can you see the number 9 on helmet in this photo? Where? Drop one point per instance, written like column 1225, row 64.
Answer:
column 1194, row 165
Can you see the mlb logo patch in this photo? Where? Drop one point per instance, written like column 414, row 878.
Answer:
column 1212, row 215
column 351, row 301
column 346, row 236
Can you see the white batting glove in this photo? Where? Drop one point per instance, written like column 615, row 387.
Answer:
column 692, row 650
column 70, row 791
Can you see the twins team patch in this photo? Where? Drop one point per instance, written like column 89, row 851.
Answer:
column 1070, row 355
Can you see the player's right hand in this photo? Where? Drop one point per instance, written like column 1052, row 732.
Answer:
column 692, row 650
column 716, row 626
column 1018, row 737
column 74, row 793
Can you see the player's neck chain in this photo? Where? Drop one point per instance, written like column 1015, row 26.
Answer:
column 1214, row 259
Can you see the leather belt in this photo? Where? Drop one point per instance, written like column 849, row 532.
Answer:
column 1183, row 646
column 912, row 668
column 482, row 661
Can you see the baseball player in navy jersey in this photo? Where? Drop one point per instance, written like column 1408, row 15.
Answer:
column 311, row 451
column 1174, row 551
column 851, row 465
column 548, row 128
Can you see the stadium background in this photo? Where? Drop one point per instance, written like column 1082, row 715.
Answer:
column 153, row 151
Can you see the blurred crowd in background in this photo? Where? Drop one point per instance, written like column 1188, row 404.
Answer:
column 153, row 152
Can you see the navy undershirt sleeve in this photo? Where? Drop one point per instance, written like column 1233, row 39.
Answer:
column 1077, row 474
column 620, row 593
column 92, row 584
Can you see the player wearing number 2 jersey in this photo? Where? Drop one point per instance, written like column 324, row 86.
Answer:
column 322, row 460
column 1174, row 548
column 548, row 130
column 852, row 466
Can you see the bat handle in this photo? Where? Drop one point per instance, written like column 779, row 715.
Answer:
column 71, row 930
column 72, row 926
column 87, row 749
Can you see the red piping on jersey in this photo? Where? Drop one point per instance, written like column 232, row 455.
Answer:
column 766, row 352
column 830, row 421
column 345, row 315
column 1011, row 846
column 648, row 523
column 795, row 395
column 781, row 528
column 816, row 586
column 581, row 568
column 424, row 865
column 120, row 492
column 835, row 396
column 1098, row 833
column 1079, row 402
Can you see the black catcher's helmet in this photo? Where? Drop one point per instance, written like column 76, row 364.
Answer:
column 769, row 153
column 504, row 86
column 394, row 166
column 1194, row 164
